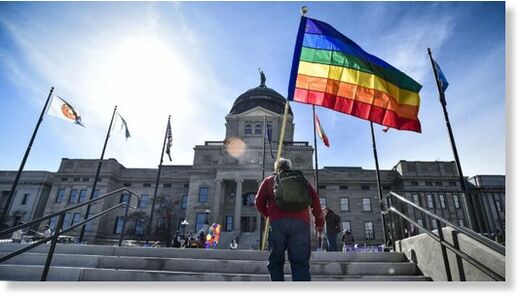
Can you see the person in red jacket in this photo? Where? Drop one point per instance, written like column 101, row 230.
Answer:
column 289, row 230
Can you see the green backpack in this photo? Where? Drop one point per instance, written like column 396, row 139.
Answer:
column 291, row 191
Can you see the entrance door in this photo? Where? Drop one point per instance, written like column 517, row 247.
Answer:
column 248, row 224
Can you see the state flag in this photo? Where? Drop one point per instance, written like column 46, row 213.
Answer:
column 121, row 126
column 64, row 110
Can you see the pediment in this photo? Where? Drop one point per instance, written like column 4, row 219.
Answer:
column 258, row 112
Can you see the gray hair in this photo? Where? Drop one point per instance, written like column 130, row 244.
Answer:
column 282, row 164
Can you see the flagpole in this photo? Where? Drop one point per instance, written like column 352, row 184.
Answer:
column 466, row 204
column 82, row 233
column 157, row 183
column 315, row 151
column 278, row 155
column 5, row 212
column 378, row 179
column 263, row 149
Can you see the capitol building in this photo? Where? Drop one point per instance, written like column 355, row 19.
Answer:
column 220, row 186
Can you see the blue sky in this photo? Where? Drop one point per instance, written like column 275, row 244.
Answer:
column 193, row 59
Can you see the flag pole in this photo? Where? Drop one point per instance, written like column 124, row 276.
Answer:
column 5, row 213
column 315, row 151
column 157, row 183
column 466, row 204
column 82, row 233
column 278, row 155
column 263, row 149
column 263, row 168
column 378, row 179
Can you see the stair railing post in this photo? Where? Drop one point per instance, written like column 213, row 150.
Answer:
column 54, row 240
column 392, row 224
column 444, row 252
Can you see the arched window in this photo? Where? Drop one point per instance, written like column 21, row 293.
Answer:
column 248, row 129
column 258, row 129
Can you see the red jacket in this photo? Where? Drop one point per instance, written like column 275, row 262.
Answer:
column 265, row 204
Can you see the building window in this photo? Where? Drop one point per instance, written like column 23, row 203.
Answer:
column 64, row 179
column 452, row 183
column 85, row 179
column 75, row 218
column 442, row 201
column 124, row 198
column 428, row 183
column 118, row 225
column 258, row 129
column 203, row 194
column 415, row 183
column 88, row 225
column 345, row 226
column 344, row 204
column 147, row 185
column 77, row 179
column 167, row 185
column 420, row 222
column 184, row 201
column 127, row 184
column 387, row 187
column 369, row 230
column 248, row 129
column 429, row 201
column 60, row 196
column 200, row 220
column 438, row 183
column 143, row 202
column 323, row 202
column 66, row 220
column 343, row 187
column 497, row 203
column 52, row 222
column 365, row 187
column 367, row 205
column 82, row 195
column 248, row 199
column 25, row 198
column 186, row 185
column 461, row 222
column 73, row 197
column 434, row 224
column 456, row 201
column 229, row 223
column 161, row 224
column 415, row 199
column 96, row 194
column 139, row 226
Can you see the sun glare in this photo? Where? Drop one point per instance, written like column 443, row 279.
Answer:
column 145, row 70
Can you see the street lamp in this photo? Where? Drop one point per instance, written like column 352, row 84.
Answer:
column 184, row 223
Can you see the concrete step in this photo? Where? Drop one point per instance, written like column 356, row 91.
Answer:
column 56, row 273
column 212, row 265
column 194, row 253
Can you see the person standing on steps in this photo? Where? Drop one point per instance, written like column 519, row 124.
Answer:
column 332, row 228
column 286, row 198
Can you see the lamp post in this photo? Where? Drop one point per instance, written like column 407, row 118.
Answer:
column 184, row 223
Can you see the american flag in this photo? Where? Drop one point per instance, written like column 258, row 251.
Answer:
column 169, row 138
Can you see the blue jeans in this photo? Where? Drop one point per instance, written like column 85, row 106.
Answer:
column 331, row 241
column 292, row 235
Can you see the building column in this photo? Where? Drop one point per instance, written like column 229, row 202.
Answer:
column 238, row 204
column 217, row 201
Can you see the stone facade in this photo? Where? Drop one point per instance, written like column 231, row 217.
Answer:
column 225, row 175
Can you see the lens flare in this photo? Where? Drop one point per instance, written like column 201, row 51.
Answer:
column 235, row 147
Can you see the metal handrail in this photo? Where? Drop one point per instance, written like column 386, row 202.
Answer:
column 440, row 238
column 58, row 232
column 473, row 235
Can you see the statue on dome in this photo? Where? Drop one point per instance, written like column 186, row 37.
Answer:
column 262, row 78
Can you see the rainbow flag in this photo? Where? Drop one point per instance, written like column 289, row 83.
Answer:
column 332, row 71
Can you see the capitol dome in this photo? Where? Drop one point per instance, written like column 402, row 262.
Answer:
column 261, row 96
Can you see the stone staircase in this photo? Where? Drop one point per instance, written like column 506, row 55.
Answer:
column 108, row 263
